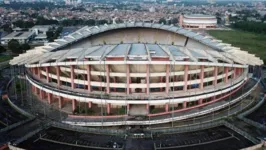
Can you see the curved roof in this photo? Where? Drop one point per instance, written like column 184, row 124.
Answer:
column 220, row 50
column 199, row 16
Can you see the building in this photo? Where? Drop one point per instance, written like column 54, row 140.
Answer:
column 22, row 37
column 139, row 67
column 197, row 21
column 73, row 2
column 40, row 38
column 152, row 9
column 41, row 29
column 40, row 32
column 211, row 1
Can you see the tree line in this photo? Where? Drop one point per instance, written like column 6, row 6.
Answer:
column 53, row 34
column 15, row 47
column 42, row 21
column 251, row 26
column 34, row 6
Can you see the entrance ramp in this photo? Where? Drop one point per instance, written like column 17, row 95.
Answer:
column 138, row 110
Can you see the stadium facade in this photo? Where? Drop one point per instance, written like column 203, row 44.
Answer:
column 138, row 66
column 197, row 21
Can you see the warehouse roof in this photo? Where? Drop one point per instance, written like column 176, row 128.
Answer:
column 18, row 35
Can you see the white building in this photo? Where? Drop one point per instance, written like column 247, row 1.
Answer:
column 40, row 38
column 198, row 21
column 21, row 37
column 41, row 29
column 40, row 32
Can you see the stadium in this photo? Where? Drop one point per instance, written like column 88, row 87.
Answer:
column 198, row 21
column 143, row 69
column 133, row 85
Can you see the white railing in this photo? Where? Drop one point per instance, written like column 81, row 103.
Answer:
column 132, row 85
column 16, row 125
column 160, row 121
column 19, row 109
column 251, row 122
column 84, row 97
column 15, row 106
column 136, row 62
column 241, row 132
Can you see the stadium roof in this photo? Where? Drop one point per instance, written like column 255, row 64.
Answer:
column 199, row 16
column 219, row 50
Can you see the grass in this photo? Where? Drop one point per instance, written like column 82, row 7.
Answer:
column 5, row 58
column 252, row 42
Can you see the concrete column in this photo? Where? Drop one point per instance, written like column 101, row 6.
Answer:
column 201, row 77
column 41, row 94
column 161, row 80
column 215, row 74
column 148, row 79
column 49, row 95
column 39, row 72
column 184, row 104
column 166, row 107
column 128, row 78
column 226, row 74
column 114, row 82
column 73, row 105
column 185, row 77
column 107, row 69
column 128, row 107
column 89, row 77
column 33, row 89
column 36, row 91
column 72, row 76
column 58, row 75
column 200, row 101
column 36, row 71
column 148, row 108
column 175, row 78
column 89, row 104
column 108, row 107
column 237, row 71
column 47, row 74
column 44, row 94
column 60, row 102
column 167, row 78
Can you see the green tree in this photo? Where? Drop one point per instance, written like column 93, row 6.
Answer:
column 23, row 24
column 7, row 28
column 43, row 21
column 100, row 22
column 57, row 32
column 250, row 26
column 263, row 19
column 174, row 21
column 50, row 35
column 90, row 22
column 14, row 46
column 162, row 20
column 25, row 46
column 2, row 49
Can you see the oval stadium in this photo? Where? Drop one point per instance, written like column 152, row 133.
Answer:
column 122, row 72
column 133, row 85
